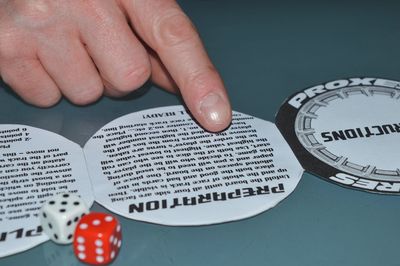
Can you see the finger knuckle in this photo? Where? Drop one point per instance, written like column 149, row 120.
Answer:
column 175, row 29
column 4, row 51
column 87, row 95
column 10, row 47
column 95, row 11
column 16, row 72
column 41, row 97
column 33, row 14
column 47, row 100
column 132, row 78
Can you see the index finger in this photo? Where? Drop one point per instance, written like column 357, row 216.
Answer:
column 169, row 32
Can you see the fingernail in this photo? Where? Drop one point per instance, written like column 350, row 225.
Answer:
column 214, row 109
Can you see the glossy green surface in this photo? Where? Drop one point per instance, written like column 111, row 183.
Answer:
column 265, row 51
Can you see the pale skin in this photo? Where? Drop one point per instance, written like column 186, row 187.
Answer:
column 83, row 49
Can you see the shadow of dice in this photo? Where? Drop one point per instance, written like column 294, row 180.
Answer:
column 60, row 215
column 97, row 238
column 56, row 256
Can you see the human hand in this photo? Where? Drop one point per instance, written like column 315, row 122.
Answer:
column 83, row 49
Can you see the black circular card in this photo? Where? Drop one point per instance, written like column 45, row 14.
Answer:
column 347, row 131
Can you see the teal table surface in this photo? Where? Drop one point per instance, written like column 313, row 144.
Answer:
column 265, row 51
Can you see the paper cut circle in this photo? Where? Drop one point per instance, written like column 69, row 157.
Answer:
column 35, row 164
column 347, row 131
column 159, row 166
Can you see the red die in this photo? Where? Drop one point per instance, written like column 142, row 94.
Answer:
column 97, row 238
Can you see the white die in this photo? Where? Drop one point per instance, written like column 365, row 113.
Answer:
column 60, row 215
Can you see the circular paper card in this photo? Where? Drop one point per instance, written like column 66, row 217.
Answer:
column 159, row 166
column 35, row 164
column 348, row 132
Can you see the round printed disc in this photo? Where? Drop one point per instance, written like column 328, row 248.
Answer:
column 347, row 131
column 35, row 164
column 159, row 166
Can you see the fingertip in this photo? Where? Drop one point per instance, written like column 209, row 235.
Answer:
column 207, row 99
column 214, row 112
